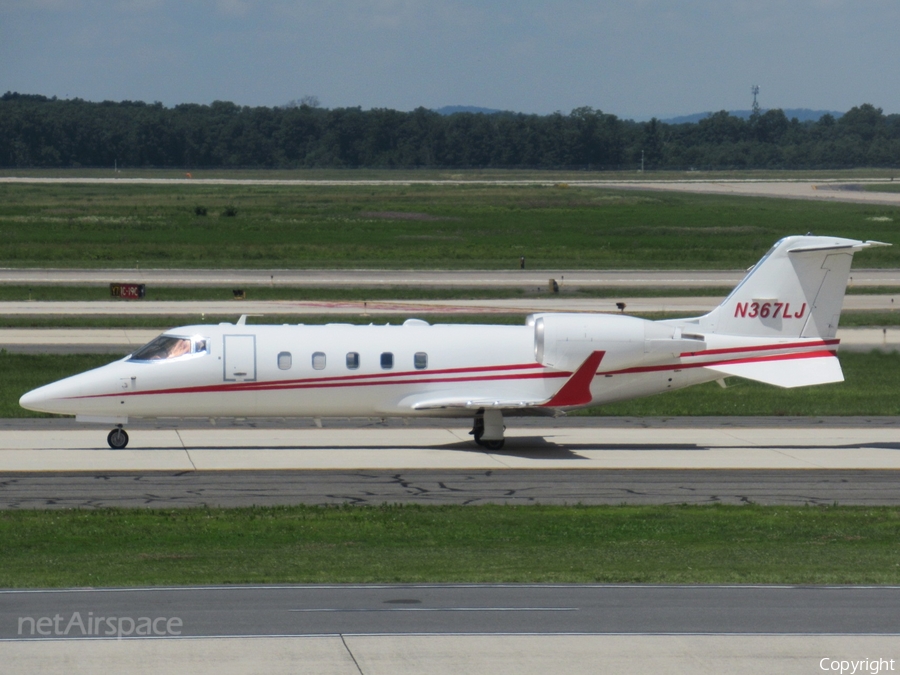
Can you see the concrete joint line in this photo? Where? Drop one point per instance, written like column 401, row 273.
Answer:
column 347, row 647
column 814, row 465
column 187, row 452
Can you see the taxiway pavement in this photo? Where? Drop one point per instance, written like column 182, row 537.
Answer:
column 375, row 278
column 58, row 463
column 838, row 190
column 686, row 306
column 438, row 445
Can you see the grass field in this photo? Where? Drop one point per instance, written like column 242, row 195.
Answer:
column 545, row 175
column 870, row 389
column 883, row 188
column 406, row 544
column 416, row 226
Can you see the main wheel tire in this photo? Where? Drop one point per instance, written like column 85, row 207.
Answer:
column 117, row 439
column 477, row 430
column 493, row 445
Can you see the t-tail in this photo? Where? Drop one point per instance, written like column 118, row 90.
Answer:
column 786, row 308
column 796, row 290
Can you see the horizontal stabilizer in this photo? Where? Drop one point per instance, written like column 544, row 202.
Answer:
column 794, row 370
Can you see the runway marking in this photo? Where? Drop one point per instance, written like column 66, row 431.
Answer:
column 259, row 636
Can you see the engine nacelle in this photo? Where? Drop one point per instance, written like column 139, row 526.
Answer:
column 564, row 341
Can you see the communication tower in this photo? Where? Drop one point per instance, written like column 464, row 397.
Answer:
column 755, row 90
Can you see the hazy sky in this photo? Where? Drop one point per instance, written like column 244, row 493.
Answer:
column 632, row 58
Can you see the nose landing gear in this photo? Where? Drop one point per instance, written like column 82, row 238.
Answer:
column 117, row 438
column 488, row 429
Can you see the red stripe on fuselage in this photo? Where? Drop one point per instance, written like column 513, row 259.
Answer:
column 380, row 379
column 759, row 348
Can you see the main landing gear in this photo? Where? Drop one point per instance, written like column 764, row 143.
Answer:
column 488, row 429
column 117, row 438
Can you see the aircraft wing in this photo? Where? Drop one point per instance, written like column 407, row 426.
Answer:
column 432, row 402
column 576, row 391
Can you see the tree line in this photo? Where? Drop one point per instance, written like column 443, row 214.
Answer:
column 37, row 131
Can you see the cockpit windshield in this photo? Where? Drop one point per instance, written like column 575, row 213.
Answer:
column 169, row 347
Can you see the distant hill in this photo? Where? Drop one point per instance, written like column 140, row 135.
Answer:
column 452, row 109
column 802, row 114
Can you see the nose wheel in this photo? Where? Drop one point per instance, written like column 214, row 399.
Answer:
column 117, row 439
column 492, row 445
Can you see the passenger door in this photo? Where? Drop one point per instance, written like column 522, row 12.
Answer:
column 239, row 355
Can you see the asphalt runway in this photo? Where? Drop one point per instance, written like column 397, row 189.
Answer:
column 475, row 609
column 473, row 629
column 164, row 490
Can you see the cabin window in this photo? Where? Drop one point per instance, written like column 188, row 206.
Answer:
column 420, row 360
column 352, row 360
column 318, row 361
column 387, row 360
column 284, row 361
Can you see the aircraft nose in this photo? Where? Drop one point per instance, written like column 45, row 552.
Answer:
column 73, row 395
column 36, row 399
column 51, row 398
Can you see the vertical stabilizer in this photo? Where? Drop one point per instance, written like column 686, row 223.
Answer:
column 795, row 290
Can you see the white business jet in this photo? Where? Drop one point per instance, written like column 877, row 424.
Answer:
column 778, row 326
